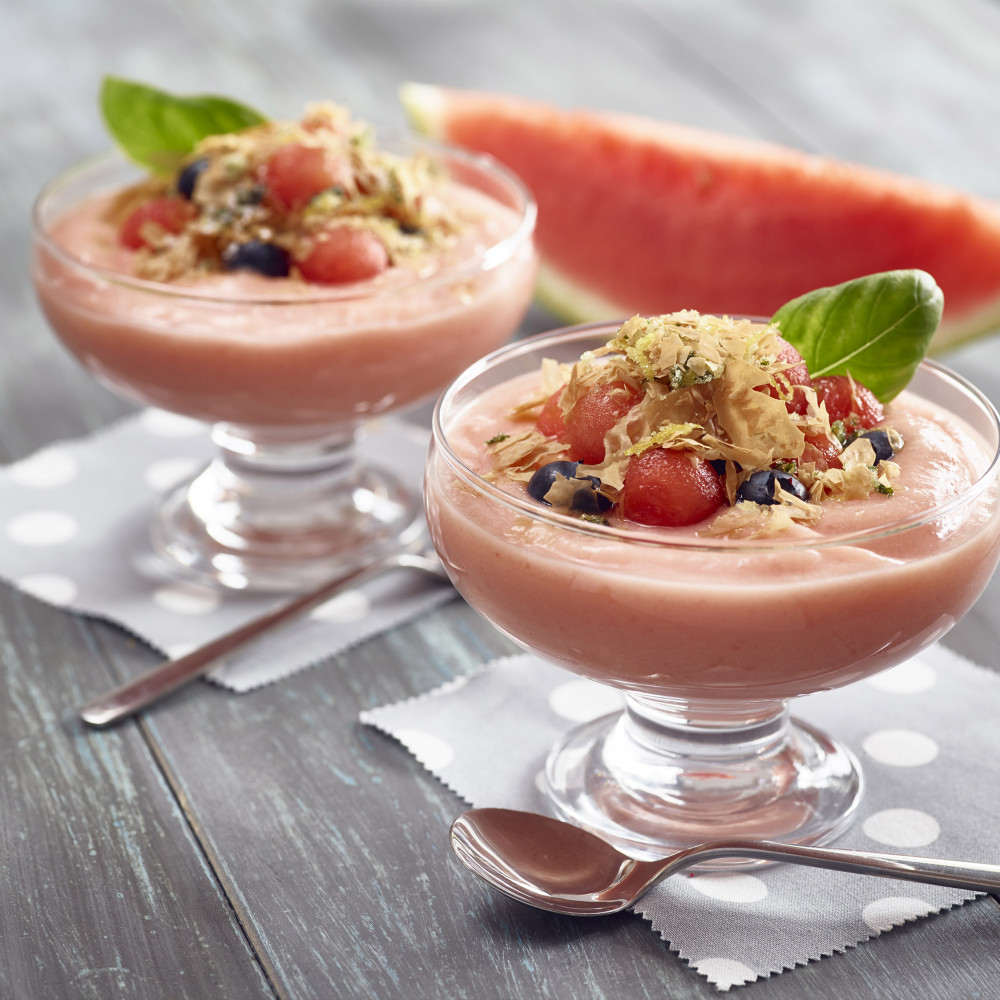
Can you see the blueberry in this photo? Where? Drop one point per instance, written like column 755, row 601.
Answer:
column 266, row 258
column 189, row 175
column 586, row 499
column 719, row 464
column 880, row 442
column 759, row 487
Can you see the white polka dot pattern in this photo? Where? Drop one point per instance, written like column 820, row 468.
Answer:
column 884, row 914
column 432, row 751
column 902, row 828
column 46, row 469
column 725, row 972
column 52, row 587
column 733, row 887
column 900, row 748
column 42, row 528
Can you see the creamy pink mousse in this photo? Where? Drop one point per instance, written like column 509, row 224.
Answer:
column 726, row 620
column 276, row 352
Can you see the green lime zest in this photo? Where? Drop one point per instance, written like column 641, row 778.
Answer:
column 876, row 329
column 157, row 130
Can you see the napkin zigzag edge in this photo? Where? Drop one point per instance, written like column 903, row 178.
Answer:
column 369, row 718
column 809, row 959
column 376, row 717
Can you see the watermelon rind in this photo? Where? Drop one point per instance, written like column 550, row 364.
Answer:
column 423, row 104
column 568, row 301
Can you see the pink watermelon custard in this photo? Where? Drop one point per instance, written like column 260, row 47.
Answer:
column 286, row 369
column 710, row 635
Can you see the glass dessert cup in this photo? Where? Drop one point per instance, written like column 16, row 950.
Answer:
column 286, row 373
column 708, row 638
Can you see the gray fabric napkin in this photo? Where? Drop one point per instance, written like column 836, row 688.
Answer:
column 73, row 532
column 925, row 733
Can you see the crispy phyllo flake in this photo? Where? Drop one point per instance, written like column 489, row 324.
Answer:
column 663, row 438
column 564, row 489
column 687, row 348
column 519, row 455
column 748, row 520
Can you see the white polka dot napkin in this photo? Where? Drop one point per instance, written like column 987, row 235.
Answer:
column 925, row 733
column 73, row 532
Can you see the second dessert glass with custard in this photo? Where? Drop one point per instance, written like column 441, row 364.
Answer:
column 287, row 371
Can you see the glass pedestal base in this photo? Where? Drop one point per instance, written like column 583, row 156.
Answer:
column 282, row 515
column 667, row 774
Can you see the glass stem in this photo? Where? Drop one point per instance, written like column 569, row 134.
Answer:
column 718, row 729
column 268, row 480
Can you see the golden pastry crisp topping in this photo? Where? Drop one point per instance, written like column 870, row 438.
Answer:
column 395, row 197
column 707, row 386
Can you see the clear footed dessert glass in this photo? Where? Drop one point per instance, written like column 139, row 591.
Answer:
column 710, row 638
column 286, row 372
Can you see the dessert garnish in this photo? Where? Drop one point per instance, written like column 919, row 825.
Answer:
column 231, row 190
column 683, row 416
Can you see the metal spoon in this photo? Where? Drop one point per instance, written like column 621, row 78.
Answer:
column 170, row 675
column 555, row 866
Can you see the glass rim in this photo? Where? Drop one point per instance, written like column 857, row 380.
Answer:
column 488, row 259
column 649, row 537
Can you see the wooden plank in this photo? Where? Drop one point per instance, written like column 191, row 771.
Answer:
column 105, row 890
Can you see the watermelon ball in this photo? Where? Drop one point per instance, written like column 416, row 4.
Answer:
column 821, row 451
column 759, row 486
column 254, row 255
column 296, row 173
column 857, row 408
column 551, row 421
column 880, row 442
column 586, row 499
column 594, row 414
column 188, row 177
column 344, row 254
column 169, row 214
column 670, row 488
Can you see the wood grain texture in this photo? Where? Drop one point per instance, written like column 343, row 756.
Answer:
column 268, row 844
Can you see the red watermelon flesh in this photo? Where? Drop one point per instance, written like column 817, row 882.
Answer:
column 640, row 216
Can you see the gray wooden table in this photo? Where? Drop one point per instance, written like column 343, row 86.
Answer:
column 267, row 845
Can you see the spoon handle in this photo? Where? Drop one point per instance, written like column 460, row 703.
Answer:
column 170, row 675
column 956, row 874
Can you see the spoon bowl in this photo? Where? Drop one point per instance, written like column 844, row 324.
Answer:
column 553, row 865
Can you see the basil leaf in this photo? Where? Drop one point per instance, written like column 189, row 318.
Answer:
column 876, row 328
column 158, row 130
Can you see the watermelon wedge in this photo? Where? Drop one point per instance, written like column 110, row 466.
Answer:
column 644, row 216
